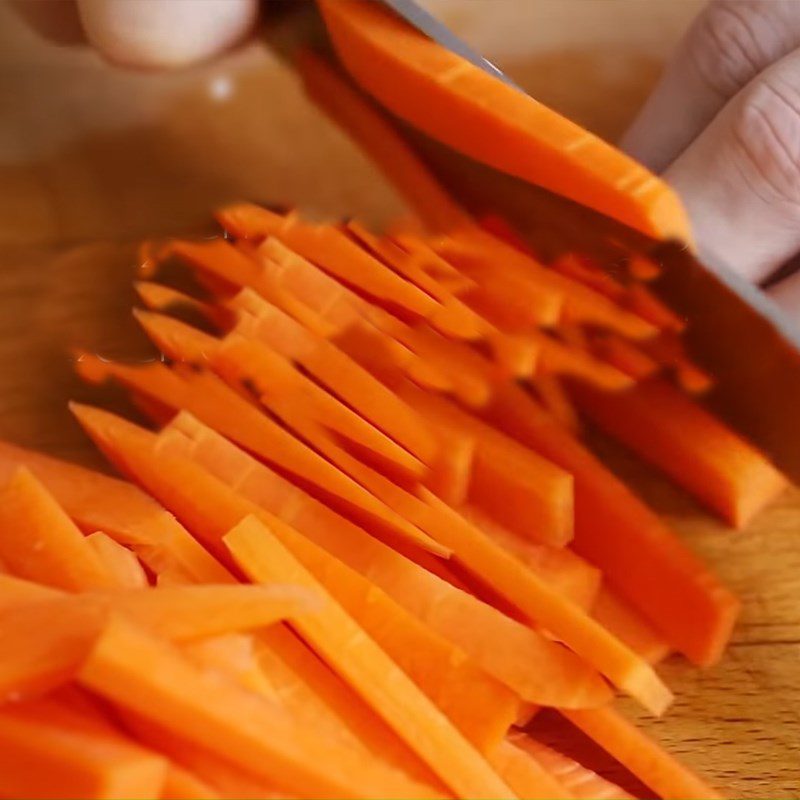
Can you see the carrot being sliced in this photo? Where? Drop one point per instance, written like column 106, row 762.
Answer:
column 120, row 563
column 48, row 750
column 536, row 668
column 181, row 784
column 639, row 556
column 525, row 775
column 344, row 645
column 580, row 782
column 382, row 143
column 643, row 756
column 41, row 543
column 98, row 502
column 228, row 721
column 676, row 434
column 617, row 616
column 454, row 101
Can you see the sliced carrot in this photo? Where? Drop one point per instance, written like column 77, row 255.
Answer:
column 556, row 401
column 696, row 450
column 226, row 720
column 181, row 784
column 382, row 143
column 48, row 750
column 614, row 614
column 15, row 592
column 525, row 775
column 454, row 101
column 639, row 556
column 120, row 563
column 643, row 268
column 583, row 271
column 98, row 502
column 40, row 541
column 536, row 668
column 580, row 782
column 642, row 755
column 158, row 297
column 344, row 645
column 642, row 301
column 451, row 473
column 624, row 355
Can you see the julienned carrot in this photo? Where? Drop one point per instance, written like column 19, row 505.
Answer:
column 458, row 103
column 181, row 784
column 41, row 543
column 626, row 356
column 48, row 750
column 640, row 754
column 158, row 297
column 451, row 472
column 211, row 400
column 525, row 775
column 550, row 391
column 565, row 571
column 373, row 133
column 642, row 301
column 535, row 668
column 16, row 592
column 98, row 502
column 639, row 556
column 344, row 645
column 613, row 613
column 694, row 448
column 230, row 722
column 120, row 563
column 580, row 782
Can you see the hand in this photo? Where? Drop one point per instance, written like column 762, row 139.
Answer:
column 723, row 126
column 146, row 33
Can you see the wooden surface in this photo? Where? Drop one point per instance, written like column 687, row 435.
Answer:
column 91, row 159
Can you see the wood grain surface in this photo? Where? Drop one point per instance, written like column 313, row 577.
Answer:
column 93, row 158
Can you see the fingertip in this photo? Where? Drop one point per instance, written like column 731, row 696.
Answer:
column 165, row 33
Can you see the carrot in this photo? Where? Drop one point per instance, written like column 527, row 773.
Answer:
column 525, row 775
column 555, row 399
column 646, row 304
column 641, row 755
column 382, row 143
column 584, row 271
column 41, row 543
column 669, row 351
column 98, row 502
column 15, row 592
column 120, row 563
column 623, row 355
column 701, row 454
column 638, row 554
column 48, row 750
column 501, row 228
column 617, row 616
column 158, row 297
column 181, row 784
column 580, row 782
column 450, row 474
column 535, row 668
column 343, row 644
column 454, row 101
column 227, row 720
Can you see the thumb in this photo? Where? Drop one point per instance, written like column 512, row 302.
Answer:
column 165, row 33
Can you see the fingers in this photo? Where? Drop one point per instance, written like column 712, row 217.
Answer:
column 740, row 179
column 728, row 45
column 165, row 33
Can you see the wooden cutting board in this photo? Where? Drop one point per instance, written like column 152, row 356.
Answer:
column 92, row 159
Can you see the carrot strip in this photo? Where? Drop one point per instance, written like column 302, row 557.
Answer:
column 677, row 435
column 158, row 297
column 41, row 543
column 556, row 401
column 228, row 721
column 98, row 502
column 454, row 101
column 580, row 782
column 638, row 554
column 120, row 563
column 624, row 355
column 614, row 614
column 344, row 645
column 581, row 270
column 642, row 755
column 525, row 775
column 642, row 301
column 379, row 139
column 181, row 784
column 48, row 750
column 451, row 473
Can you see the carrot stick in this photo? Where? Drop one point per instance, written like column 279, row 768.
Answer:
column 534, row 667
column 646, row 304
column 450, row 474
column 344, row 645
column 181, row 784
column 556, row 401
column 525, row 775
column 41, row 543
column 454, row 101
column 158, row 297
column 638, row 554
column 48, row 750
column 641, row 755
column 226, row 720
column 676, row 434
column 614, row 614
column 578, row 269
column 120, row 563
column 378, row 138
column 624, row 355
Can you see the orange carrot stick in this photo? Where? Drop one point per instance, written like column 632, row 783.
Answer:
column 624, row 355
column 525, row 775
column 120, row 563
column 641, row 755
column 701, row 454
column 181, row 784
column 554, row 398
column 343, row 644
column 158, row 297
column 638, row 554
